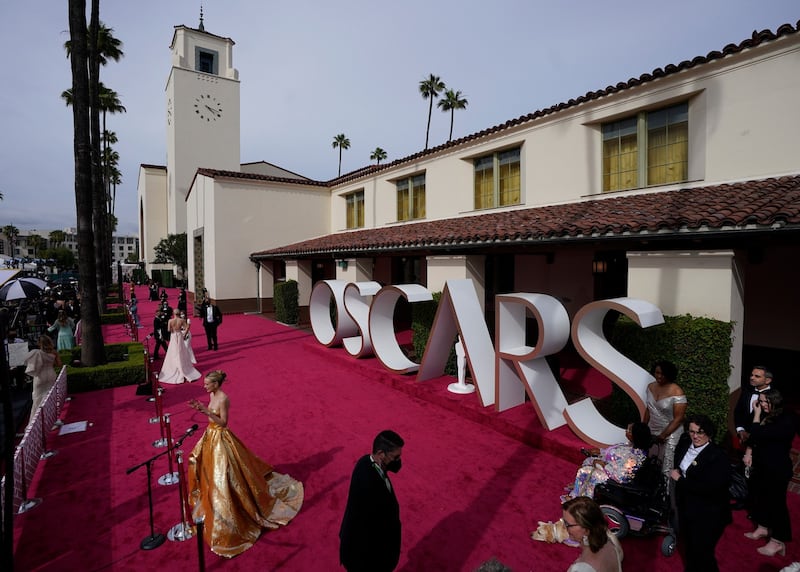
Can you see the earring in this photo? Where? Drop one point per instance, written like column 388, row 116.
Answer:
column 585, row 540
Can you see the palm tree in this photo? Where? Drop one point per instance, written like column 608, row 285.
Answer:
column 11, row 233
column 102, row 46
column 379, row 155
column 451, row 101
column 92, row 349
column 430, row 88
column 342, row 142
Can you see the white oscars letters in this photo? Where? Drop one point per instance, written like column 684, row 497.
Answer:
column 503, row 374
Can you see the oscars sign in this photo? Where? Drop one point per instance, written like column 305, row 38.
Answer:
column 505, row 372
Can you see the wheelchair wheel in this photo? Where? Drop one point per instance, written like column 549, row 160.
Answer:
column 668, row 545
column 617, row 523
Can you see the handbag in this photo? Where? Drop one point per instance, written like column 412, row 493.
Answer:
column 738, row 486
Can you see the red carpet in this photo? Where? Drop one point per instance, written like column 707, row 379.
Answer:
column 473, row 484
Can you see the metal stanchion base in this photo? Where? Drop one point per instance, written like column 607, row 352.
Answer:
column 168, row 479
column 28, row 504
column 48, row 454
column 160, row 442
column 151, row 399
column 151, row 542
column 180, row 532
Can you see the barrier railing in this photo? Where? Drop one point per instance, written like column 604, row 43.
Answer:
column 31, row 448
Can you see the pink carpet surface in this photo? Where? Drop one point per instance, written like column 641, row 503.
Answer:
column 473, row 486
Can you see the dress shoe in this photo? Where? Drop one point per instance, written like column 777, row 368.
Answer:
column 772, row 548
column 758, row 533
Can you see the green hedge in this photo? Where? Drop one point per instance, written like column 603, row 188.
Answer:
column 286, row 302
column 112, row 318
column 699, row 347
column 117, row 372
column 422, row 315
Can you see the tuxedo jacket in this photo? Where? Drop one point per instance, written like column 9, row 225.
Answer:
column 703, row 491
column 742, row 415
column 370, row 531
column 216, row 316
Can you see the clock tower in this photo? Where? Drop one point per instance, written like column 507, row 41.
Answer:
column 202, row 120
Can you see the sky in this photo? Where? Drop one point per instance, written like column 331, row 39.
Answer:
column 310, row 69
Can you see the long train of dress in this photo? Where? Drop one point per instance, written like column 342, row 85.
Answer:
column 177, row 366
column 237, row 494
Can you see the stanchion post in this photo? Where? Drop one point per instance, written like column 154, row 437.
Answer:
column 46, row 454
column 171, row 477
column 199, row 524
column 27, row 504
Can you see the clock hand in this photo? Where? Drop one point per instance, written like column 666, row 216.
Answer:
column 212, row 110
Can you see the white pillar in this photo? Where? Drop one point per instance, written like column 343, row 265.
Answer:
column 703, row 284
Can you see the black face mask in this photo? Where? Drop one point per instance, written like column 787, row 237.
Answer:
column 394, row 466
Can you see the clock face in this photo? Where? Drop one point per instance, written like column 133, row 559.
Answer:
column 207, row 108
column 169, row 111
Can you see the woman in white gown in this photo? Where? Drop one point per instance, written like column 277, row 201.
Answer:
column 177, row 366
column 666, row 410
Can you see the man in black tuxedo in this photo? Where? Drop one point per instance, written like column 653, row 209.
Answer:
column 212, row 318
column 702, row 476
column 760, row 381
column 370, row 532
column 160, row 332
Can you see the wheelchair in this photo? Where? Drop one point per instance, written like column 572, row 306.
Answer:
column 641, row 507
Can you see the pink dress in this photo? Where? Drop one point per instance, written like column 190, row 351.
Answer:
column 177, row 366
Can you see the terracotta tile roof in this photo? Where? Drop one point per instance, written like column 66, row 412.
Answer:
column 217, row 173
column 766, row 204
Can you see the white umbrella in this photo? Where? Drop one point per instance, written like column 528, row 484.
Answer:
column 21, row 288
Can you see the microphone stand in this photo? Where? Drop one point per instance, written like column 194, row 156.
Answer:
column 154, row 540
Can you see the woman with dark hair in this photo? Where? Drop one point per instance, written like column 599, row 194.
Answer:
column 236, row 493
column 702, row 476
column 666, row 409
column 617, row 462
column 770, row 465
column 586, row 525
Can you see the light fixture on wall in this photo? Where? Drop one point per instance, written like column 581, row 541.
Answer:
column 599, row 266
column 342, row 264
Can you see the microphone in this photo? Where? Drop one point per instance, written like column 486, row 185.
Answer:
column 192, row 429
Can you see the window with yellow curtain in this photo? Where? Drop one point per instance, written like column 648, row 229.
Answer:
column 411, row 198
column 666, row 132
column 355, row 209
column 497, row 179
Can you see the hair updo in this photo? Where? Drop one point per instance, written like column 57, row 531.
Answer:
column 217, row 376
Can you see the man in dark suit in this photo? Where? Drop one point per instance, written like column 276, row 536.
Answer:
column 160, row 332
column 370, row 532
column 760, row 381
column 702, row 476
column 212, row 318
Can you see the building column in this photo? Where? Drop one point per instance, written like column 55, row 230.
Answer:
column 444, row 268
column 702, row 284
column 354, row 269
column 300, row 272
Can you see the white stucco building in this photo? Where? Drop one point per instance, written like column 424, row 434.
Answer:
column 680, row 187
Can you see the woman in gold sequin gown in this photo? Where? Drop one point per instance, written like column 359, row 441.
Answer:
column 237, row 494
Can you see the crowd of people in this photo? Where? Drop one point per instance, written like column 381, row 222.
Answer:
column 252, row 497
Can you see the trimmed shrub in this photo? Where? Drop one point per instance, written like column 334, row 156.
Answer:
column 117, row 372
column 286, row 302
column 112, row 318
column 699, row 347
column 422, row 315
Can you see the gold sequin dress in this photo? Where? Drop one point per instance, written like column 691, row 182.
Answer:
column 236, row 493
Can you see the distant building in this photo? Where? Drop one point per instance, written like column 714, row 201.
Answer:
column 25, row 246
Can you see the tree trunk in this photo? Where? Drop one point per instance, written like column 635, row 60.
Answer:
column 98, row 198
column 92, row 349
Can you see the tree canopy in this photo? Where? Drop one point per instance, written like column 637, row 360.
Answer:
column 172, row 250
